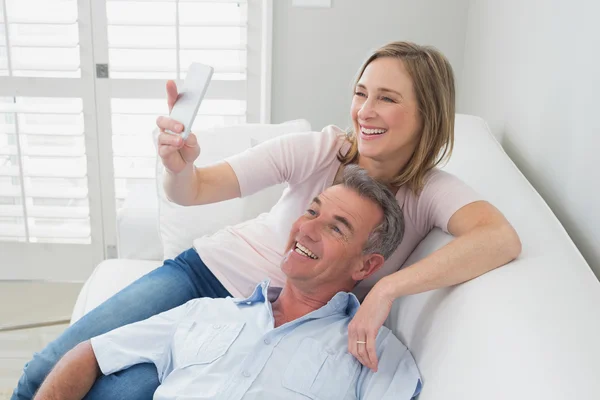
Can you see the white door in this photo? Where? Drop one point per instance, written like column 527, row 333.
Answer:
column 77, row 136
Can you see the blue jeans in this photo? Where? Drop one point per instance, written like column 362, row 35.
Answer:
column 175, row 283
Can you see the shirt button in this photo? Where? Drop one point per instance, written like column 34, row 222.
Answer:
column 246, row 374
column 267, row 342
column 216, row 326
column 330, row 352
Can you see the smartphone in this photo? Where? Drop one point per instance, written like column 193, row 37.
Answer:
column 190, row 96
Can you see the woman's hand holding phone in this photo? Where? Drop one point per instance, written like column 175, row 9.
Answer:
column 175, row 153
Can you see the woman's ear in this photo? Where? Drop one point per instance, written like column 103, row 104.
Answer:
column 371, row 263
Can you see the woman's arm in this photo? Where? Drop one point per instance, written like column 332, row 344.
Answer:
column 206, row 185
column 484, row 241
column 73, row 376
column 278, row 160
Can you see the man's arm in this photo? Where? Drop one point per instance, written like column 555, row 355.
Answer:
column 73, row 376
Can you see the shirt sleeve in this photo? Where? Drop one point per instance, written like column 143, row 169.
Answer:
column 147, row 341
column 288, row 158
column 397, row 376
column 443, row 195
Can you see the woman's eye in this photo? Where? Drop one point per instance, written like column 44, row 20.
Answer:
column 311, row 212
column 388, row 100
column 360, row 94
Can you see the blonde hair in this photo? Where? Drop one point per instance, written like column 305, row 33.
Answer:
column 433, row 82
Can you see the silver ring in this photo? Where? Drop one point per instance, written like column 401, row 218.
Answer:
column 360, row 342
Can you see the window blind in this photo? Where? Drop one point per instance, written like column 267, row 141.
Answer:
column 43, row 171
column 158, row 40
column 39, row 38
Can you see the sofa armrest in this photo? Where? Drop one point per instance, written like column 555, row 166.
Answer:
column 137, row 224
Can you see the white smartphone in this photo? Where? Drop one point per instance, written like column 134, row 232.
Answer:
column 190, row 96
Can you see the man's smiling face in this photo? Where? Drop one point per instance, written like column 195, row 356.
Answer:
column 326, row 243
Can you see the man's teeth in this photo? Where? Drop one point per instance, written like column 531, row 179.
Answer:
column 304, row 251
column 373, row 131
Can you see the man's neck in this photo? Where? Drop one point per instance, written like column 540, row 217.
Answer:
column 293, row 303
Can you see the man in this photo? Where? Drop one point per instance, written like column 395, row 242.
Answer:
column 278, row 343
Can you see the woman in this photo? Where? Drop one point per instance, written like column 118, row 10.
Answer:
column 403, row 119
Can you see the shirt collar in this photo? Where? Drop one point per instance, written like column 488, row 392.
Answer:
column 342, row 302
column 260, row 293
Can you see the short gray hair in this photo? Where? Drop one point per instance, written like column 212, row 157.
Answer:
column 386, row 237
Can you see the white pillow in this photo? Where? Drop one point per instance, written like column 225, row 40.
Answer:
column 179, row 226
column 138, row 234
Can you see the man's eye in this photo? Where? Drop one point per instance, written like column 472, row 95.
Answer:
column 336, row 229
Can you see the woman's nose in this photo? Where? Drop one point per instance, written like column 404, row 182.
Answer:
column 367, row 111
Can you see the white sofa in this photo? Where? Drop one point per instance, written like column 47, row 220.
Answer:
column 528, row 330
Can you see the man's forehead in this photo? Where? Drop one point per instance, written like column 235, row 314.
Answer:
column 344, row 202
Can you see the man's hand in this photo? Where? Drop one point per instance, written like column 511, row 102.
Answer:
column 73, row 376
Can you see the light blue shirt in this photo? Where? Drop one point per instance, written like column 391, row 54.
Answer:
column 229, row 349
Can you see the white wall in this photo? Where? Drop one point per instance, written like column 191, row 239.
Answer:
column 532, row 70
column 317, row 52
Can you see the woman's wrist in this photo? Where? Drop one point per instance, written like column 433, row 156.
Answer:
column 385, row 290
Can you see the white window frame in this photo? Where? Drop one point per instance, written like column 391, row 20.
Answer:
column 49, row 261
column 75, row 262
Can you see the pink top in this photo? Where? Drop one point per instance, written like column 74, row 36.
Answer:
column 242, row 255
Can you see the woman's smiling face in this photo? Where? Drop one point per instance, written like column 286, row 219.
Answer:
column 385, row 111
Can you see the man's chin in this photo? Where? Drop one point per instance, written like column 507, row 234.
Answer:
column 293, row 270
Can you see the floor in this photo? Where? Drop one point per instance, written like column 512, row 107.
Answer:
column 26, row 304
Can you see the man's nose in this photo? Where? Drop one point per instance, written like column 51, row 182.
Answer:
column 311, row 230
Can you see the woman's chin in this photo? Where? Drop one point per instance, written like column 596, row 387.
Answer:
column 369, row 150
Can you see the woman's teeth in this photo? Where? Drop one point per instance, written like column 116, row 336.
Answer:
column 373, row 131
column 304, row 251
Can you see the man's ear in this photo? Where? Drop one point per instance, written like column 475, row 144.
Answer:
column 371, row 263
